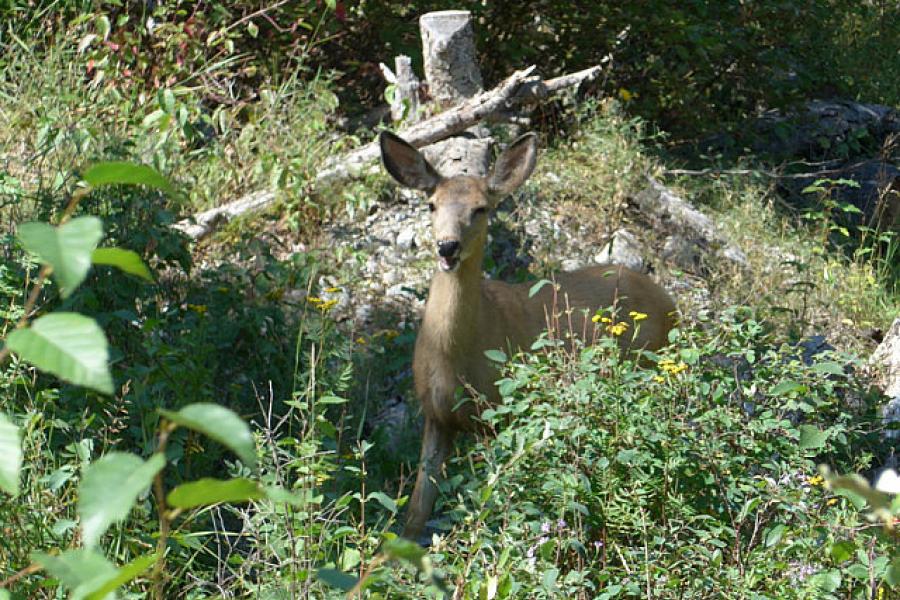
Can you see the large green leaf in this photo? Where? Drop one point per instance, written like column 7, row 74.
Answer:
column 337, row 579
column 10, row 456
column 126, row 260
column 123, row 576
column 812, row 438
column 109, row 488
column 68, row 345
column 67, row 248
column 119, row 172
column 220, row 424
column 212, row 491
column 80, row 571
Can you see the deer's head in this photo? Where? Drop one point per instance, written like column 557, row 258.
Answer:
column 459, row 205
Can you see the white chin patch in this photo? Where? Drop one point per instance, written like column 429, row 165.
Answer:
column 448, row 264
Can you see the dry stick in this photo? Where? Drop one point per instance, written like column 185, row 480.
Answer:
column 165, row 519
column 32, row 568
column 519, row 88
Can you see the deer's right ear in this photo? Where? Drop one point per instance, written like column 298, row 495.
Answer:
column 406, row 164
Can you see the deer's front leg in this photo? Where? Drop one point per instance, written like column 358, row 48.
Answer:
column 437, row 444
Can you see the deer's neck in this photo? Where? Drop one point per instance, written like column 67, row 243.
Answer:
column 453, row 309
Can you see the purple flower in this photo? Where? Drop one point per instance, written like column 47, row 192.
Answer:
column 561, row 524
column 545, row 527
column 598, row 544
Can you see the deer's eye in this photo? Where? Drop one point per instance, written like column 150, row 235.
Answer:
column 431, row 206
column 480, row 210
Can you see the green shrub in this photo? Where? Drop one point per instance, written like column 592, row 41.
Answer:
column 695, row 476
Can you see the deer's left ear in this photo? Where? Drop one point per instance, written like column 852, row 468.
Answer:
column 514, row 166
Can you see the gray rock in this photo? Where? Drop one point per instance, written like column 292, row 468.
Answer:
column 686, row 253
column 406, row 239
column 390, row 277
column 622, row 249
column 364, row 312
column 891, row 414
column 398, row 290
column 886, row 360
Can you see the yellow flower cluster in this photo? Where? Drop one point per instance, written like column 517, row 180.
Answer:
column 815, row 480
column 323, row 305
column 670, row 367
column 637, row 316
column 613, row 328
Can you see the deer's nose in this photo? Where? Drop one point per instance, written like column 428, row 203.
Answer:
column 448, row 249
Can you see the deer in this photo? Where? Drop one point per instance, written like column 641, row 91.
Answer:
column 466, row 314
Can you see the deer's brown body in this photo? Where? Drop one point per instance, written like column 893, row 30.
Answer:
column 465, row 315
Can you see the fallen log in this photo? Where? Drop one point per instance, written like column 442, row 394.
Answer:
column 520, row 88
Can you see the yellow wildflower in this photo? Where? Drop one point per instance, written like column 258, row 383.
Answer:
column 361, row 341
column 815, row 480
column 332, row 290
column 200, row 309
column 595, row 319
column 667, row 365
column 326, row 305
column 314, row 300
column 637, row 316
column 659, row 379
column 625, row 94
column 617, row 329
column 831, row 501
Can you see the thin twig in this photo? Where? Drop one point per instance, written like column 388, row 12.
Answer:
column 32, row 568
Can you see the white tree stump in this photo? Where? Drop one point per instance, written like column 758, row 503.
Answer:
column 448, row 49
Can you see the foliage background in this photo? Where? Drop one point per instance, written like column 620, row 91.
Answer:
column 230, row 97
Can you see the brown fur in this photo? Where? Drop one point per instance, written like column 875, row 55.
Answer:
column 465, row 315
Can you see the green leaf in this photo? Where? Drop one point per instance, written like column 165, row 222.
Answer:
column 775, row 534
column 4, row 595
column 68, row 345
column 827, row 581
column 123, row 576
column 67, row 248
column 811, row 437
column 279, row 494
column 103, row 26
column 252, row 29
column 406, row 550
column 109, row 488
column 892, row 576
column 787, row 387
column 496, row 355
column 548, row 581
column 126, row 260
column 10, row 456
column 841, row 551
column 385, row 500
column 533, row 290
column 118, row 172
column 208, row 491
column 220, row 424
column 81, row 571
column 337, row 579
